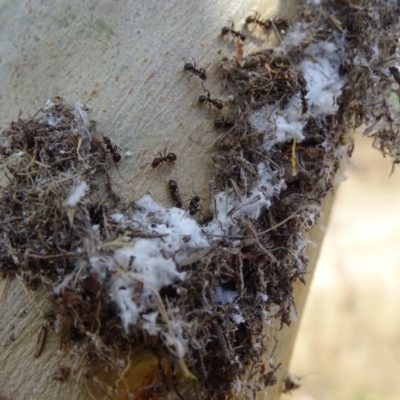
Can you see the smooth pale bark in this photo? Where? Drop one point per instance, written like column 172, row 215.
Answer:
column 125, row 60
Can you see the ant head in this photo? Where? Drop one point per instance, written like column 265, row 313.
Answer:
column 304, row 91
column 172, row 184
column 202, row 98
column 188, row 67
column 208, row 93
column 250, row 19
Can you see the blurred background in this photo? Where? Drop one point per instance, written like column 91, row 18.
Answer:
column 348, row 346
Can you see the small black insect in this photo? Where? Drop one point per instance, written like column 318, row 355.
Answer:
column 201, row 72
column 226, row 29
column 395, row 73
column 223, row 123
column 280, row 24
column 175, row 195
column 112, row 149
column 194, row 205
column 304, row 102
column 169, row 158
column 207, row 99
column 205, row 221
column 267, row 25
column 96, row 213
column 270, row 378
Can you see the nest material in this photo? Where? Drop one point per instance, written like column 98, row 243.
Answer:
column 45, row 156
column 49, row 155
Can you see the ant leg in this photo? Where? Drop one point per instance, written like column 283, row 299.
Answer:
column 116, row 166
column 184, row 212
column 200, row 212
column 202, row 85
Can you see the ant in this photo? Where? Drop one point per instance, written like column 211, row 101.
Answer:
column 96, row 213
column 112, row 149
column 395, row 73
column 226, row 29
column 175, row 195
column 304, row 102
column 270, row 378
column 98, row 216
column 206, row 220
column 194, row 205
column 158, row 161
column 201, row 72
column 207, row 99
column 267, row 25
column 223, row 123
column 280, row 24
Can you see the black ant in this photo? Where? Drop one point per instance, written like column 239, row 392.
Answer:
column 207, row 99
column 112, row 149
column 96, row 213
column 194, row 205
column 223, row 123
column 267, row 25
column 175, row 195
column 270, row 378
column 226, row 29
column 206, row 220
column 280, row 24
column 201, row 72
column 158, row 161
column 304, row 102
column 395, row 73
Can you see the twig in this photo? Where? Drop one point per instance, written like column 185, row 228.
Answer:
column 123, row 373
column 164, row 314
column 254, row 232
column 57, row 256
column 252, row 201
column 41, row 341
column 282, row 222
column 5, row 286
column 263, row 232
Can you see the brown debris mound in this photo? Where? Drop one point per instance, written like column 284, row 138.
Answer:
column 46, row 156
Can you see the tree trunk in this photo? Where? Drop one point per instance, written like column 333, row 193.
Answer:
column 125, row 60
